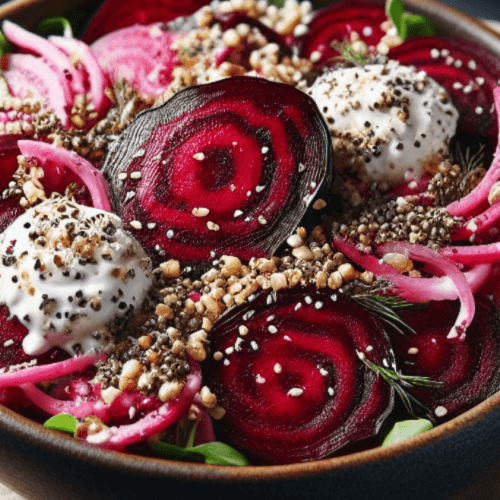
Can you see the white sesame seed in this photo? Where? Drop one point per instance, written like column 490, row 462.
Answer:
column 212, row 226
column 243, row 330
column 122, row 176
column 295, row 391
column 449, row 61
column 254, row 345
column 334, row 298
column 139, row 153
column 297, row 306
column 315, row 56
column 367, row 31
column 151, row 225
column 318, row 304
column 472, row 64
column 323, row 372
column 287, row 338
column 259, row 379
column 237, row 213
column 331, row 392
column 457, row 85
column 294, row 241
column 234, row 143
column 369, row 348
column 277, row 368
column 7, row 343
column 313, row 185
column 479, row 110
column 467, row 89
column 136, row 224
column 237, row 344
column 258, row 189
column 135, row 175
column 247, row 219
column 230, row 350
column 227, row 362
column 262, row 220
column 480, row 80
column 300, row 30
column 308, row 300
column 265, row 149
column 232, row 187
column 199, row 156
column 440, row 411
column 302, row 167
column 270, row 318
column 458, row 63
column 445, row 52
column 272, row 329
column 434, row 53
column 412, row 350
column 200, row 211
column 170, row 234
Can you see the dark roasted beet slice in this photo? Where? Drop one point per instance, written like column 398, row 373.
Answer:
column 12, row 333
column 338, row 21
column 293, row 387
column 469, row 369
column 229, row 167
column 468, row 71
column 118, row 14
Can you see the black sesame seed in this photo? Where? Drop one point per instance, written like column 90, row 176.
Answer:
column 122, row 305
column 400, row 146
column 368, row 124
column 14, row 279
column 417, row 144
column 27, row 225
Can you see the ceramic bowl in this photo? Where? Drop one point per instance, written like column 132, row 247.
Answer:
column 457, row 460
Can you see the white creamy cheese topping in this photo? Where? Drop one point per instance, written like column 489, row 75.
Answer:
column 70, row 273
column 385, row 119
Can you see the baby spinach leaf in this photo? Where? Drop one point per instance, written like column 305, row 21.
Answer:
column 220, row 454
column 55, row 26
column 405, row 430
column 174, row 452
column 408, row 25
column 62, row 422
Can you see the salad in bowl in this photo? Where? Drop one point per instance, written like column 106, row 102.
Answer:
column 248, row 233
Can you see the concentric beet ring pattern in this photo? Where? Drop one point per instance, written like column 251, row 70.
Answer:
column 229, row 167
column 293, row 386
column 468, row 370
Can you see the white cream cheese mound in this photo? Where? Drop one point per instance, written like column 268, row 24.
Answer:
column 385, row 119
column 70, row 273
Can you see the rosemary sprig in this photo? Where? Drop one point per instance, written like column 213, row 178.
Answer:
column 384, row 308
column 399, row 382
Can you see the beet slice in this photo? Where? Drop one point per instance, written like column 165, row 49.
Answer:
column 468, row 71
column 469, row 369
column 117, row 14
column 293, row 387
column 228, row 167
column 12, row 333
column 141, row 55
column 338, row 21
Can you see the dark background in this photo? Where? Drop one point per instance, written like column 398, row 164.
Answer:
column 488, row 9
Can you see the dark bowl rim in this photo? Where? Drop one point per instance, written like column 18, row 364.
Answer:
column 65, row 445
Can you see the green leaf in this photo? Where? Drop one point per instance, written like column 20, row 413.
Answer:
column 278, row 3
column 414, row 26
column 62, row 422
column 220, row 454
column 174, row 452
column 5, row 45
column 55, row 26
column 395, row 10
column 405, row 430
column 408, row 25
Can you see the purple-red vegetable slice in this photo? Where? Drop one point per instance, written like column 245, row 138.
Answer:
column 141, row 55
column 468, row 71
column 292, row 385
column 469, row 369
column 224, row 168
column 336, row 23
column 117, row 14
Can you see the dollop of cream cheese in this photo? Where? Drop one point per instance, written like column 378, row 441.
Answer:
column 385, row 120
column 71, row 274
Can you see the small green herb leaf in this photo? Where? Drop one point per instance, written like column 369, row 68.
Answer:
column 278, row 3
column 174, row 452
column 55, row 26
column 408, row 25
column 220, row 454
column 405, row 430
column 5, row 45
column 62, row 422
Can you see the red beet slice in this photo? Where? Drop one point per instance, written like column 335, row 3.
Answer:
column 469, row 369
column 338, row 21
column 251, row 152
column 293, row 387
column 141, row 55
column 117, row 14
column 468, row 71
column 12, row 333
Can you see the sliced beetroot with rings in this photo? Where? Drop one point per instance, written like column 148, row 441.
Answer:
column 290, row 378
column 469, row 369
column 468, row 71
column 224, row 168
column 338, row 21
